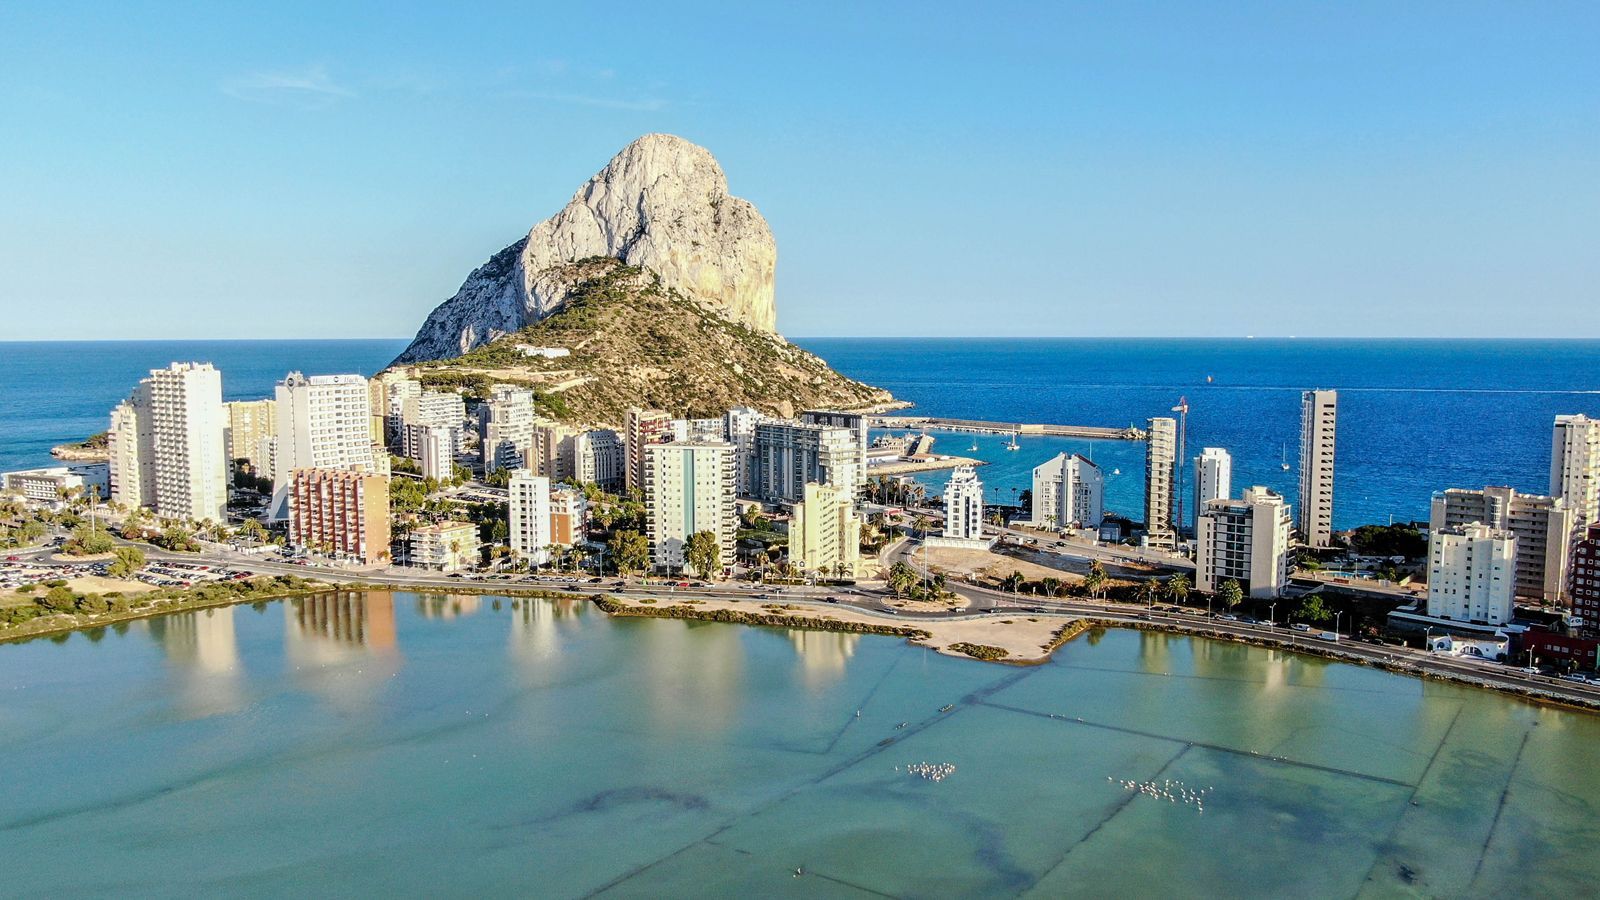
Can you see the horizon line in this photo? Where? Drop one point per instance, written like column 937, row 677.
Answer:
column 879, row 337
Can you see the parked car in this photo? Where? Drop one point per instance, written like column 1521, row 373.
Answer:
column 1300, row 626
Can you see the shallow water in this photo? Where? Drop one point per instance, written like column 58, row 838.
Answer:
column 394, row 743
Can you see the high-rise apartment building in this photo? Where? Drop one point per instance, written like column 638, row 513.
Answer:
column 688, row 488
column 644, row 428
column 340, row 512
column 1471, row 573
column 1319, row 414
column 739, row 424
column 1213, row 479
column 855, row 422
column 507, row 422
column 1160, row 483
column 437, row 460
column 1583, row 582
column 167, row 444
column 250, row 422
column 1068, row 492
column 963, row 505
column 825, row 533
column 1542, row 525
column 598, row 457
column 323, row 422
column 789, row 455
column 1244, row 540
column 430, row 409
column 1575, row 466
column 528, row 509
column 556, row 450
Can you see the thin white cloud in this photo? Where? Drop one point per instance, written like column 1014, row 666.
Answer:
column 308, row 88
column 643, row 104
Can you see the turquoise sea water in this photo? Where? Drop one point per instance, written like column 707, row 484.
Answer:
column 396, row 744
column 1415, row 416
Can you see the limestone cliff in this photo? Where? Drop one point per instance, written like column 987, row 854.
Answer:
column 662, row 205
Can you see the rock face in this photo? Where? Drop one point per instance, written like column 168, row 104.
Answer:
column 662, row 204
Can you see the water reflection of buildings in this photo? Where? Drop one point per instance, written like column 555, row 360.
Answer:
column 448, row 606
column 692, row 673
column 823, row 655
column 203, row 652
column 536, row 626
column 342, row 645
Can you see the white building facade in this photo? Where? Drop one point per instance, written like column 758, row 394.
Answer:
column 528, row 510
column 1068, row 492
column 1213, row 479
column 689, row 488
column 167, row 444
column 1543, row 527
column 1244, row 540
column 323, row 422
column 789, row 455
column 963, row 505
column 1472, row 574
column 1575, row 466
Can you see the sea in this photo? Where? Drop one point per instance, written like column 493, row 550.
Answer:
column 1415, row 416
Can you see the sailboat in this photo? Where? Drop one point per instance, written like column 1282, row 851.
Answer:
column 1284, row 456
column 1013, row 445
column 974, row 447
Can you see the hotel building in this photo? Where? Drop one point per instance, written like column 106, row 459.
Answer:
column 825, row 533
column 166, row 445
column 1542, row 525
column 688, row 488
column 1068, row 492
column 1471, row 573
column 340, row 512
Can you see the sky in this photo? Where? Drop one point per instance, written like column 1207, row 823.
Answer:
column 247, row 170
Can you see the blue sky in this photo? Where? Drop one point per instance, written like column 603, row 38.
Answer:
column 335, row 170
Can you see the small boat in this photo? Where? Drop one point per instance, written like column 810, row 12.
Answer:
column 1116, row 471
column 1013, row 445
column 974, row 447
column 1284, row 456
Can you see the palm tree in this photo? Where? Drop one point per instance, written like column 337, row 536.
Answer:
column 1178, row 589
column 1231, row 594
column 1013, row 582
column 1095, row 581
column 1151, row 589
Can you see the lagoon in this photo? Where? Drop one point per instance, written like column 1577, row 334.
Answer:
column 395, row 743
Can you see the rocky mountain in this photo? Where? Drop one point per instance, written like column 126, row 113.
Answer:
column 629, row 339
column 662, row 205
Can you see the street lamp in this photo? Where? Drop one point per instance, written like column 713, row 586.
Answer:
column 1272, row 615
column 1336, row 624
column 1427, row 639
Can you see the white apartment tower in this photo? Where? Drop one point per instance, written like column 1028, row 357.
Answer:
column 1319, row 414
column 688, row 488
column 1543, row 527
column 167, row 444
column 963, row 505
column 1472, row 573
column 1213, row 479
column 1575, row 466
column 1161, row 483
column 529, row 516
column 1244, row 540
column 323, row 422
column 1068, row 491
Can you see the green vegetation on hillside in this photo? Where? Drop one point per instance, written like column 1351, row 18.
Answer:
column 635, row 343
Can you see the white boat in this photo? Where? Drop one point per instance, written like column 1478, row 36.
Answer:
column 1013, row 445
column 1116, row 471
column 1284, row 456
